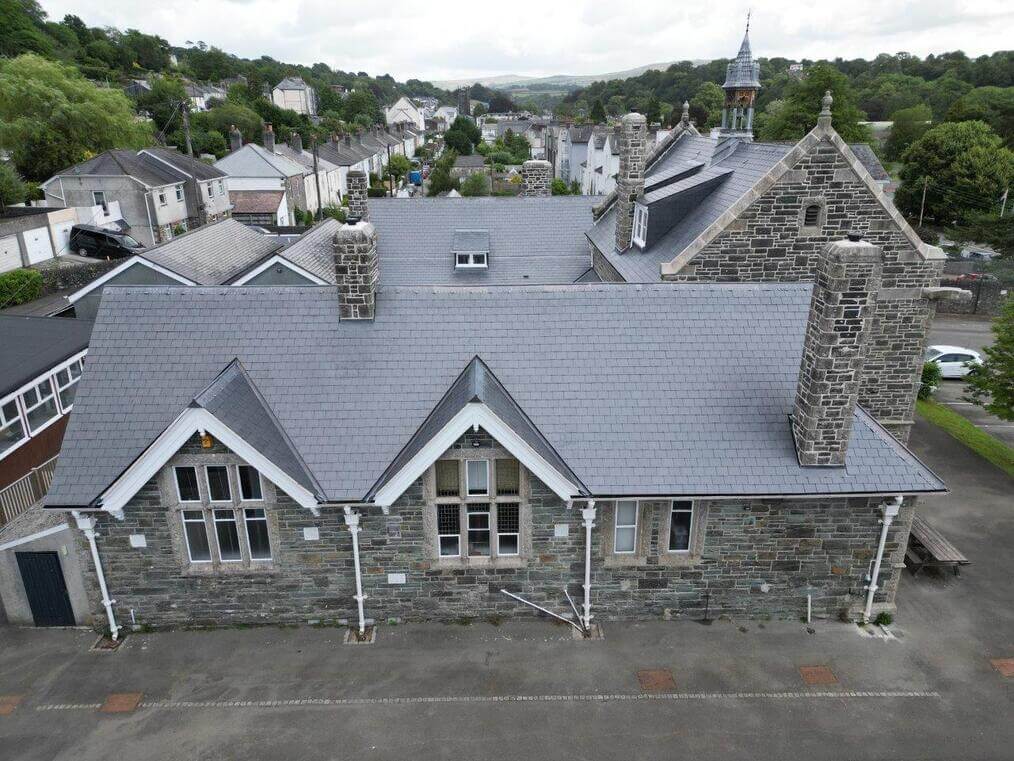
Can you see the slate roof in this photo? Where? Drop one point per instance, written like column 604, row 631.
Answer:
column 253, row 160
column 29, row 346
column 292, row 83
column 212, row 254
column 743, row 71
column 658, row 402
column 871, row 161
column 530, row 240
column 474, row 161
column 183, row 163
column 470, row 241
column 749, row 162
column 120, row 162
column 234, row 399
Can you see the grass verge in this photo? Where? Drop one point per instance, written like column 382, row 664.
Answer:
column 974, row 438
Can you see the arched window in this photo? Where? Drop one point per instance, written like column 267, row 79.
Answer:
column 811, row 216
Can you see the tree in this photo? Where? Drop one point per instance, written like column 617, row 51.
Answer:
column 52, row 117
column 221, row 118
column 991, row 384
column 963, row 168
column 653, row 110
column 993, row 105
column 458, row 141
column 398, row 167
column 706, row 105
column 469, row 127
column 20, row 31
column 162, row 102
column 476, row 184
column 909, row 124
column 799, row 113
column 559, row 187
column 598, row 112
column 12, row 188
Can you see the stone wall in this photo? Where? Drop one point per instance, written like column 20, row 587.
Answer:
column 988, row 297
column 736, row 547
column 357, row 269
column 768, row 243
column 536, row 178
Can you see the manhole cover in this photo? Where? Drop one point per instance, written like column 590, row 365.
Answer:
column 121, row 702
column 1004, row 665
column 8, row 703
column 817, row 675
column 656, row 680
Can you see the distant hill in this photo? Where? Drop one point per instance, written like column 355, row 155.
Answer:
column 564, row 81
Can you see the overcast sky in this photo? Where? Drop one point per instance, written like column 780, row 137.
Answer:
column 445, row 39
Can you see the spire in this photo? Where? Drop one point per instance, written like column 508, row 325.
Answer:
column 742, row 81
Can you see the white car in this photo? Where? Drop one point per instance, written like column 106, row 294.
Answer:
column 954, row 361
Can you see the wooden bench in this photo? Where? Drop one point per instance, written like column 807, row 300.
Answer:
column 928, row 547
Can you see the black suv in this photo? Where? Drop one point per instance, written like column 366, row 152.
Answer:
column 100, row 243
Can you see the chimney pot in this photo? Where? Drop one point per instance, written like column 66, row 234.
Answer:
column 269, row 138
column 235, row 138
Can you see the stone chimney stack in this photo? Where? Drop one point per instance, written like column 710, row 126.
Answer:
column 296, row 142
column 357, row 269
column 235, row 138
column 632, row 136
column 536, row 178
column 358, row 184
column 841, row 312
column 268, row 138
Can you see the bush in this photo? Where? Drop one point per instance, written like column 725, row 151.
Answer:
column 335, row 213
column 883, row 619
column 19, row 286
column 930, row 379
column 376, row 191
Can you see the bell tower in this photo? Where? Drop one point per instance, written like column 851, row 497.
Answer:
column 742, row 81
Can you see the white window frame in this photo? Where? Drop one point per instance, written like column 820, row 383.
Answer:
column 99, row 199
column 228, row 481
column 617, row 525
column 18, row 418
column 162, row 200
column 211, row 190
column 179, row 192
column 468, row 486
column 26, row 410
column 221, row 188
column 690, row 530
column 186, row 536
column 640, row 230
column 489, row 513
column 239, row 484
column 470, row 261
column 246, row 525
column 79, row 365
column 457, row 534
column 215, row 520
column 176, row 483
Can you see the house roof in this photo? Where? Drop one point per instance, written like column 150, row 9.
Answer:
column 470, row 241
column 530, row 240
column 472, row 161
column 253, row 160
column 212, row 254
column 256, row 201
column 120, row 162
column 30, row 346
column 871, row 161
column 743, row 71
column 183, row 163
column 292, row 83
column 688, row 394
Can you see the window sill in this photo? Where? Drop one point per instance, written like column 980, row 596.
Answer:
column 678, row 559
column 266, row 567
column 479, row 562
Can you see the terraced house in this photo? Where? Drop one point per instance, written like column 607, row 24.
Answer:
column 458, row 419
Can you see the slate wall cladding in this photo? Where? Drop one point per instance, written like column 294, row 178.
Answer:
column 767, row 244
column 826, row 544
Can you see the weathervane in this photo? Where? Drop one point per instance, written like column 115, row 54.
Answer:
column 748, row 12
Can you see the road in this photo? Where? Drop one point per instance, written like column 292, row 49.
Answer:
column 525, row 690
column 974, row 334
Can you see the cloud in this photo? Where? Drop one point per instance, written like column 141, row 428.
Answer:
column 449, row 39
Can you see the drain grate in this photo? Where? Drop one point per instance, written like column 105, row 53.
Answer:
column 352, row 636
column 656, row 680
column 121, row 702
column 8, row 703
column 814, row 675
column 1004, row 665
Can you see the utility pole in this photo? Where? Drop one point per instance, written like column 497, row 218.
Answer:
column 922, row 206
column 316, row 177
column 186, row 128
column 390, row 175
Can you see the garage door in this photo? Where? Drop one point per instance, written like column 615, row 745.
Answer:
column 61, row 234
column 10, row 256
column 38, row 245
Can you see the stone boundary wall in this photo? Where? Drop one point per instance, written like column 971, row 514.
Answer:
column 988, row 297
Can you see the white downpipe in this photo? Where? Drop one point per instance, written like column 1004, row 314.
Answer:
column 891, row 509
column 588, row 514
column 352, row 521
column 87, row 524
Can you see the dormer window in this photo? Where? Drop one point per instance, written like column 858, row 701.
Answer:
column 640, row 233
column 471, row 259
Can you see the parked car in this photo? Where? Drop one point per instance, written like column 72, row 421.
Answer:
column 954, row 361
column 100, row 243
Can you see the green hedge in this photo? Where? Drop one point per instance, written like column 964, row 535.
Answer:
column 19, row 286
